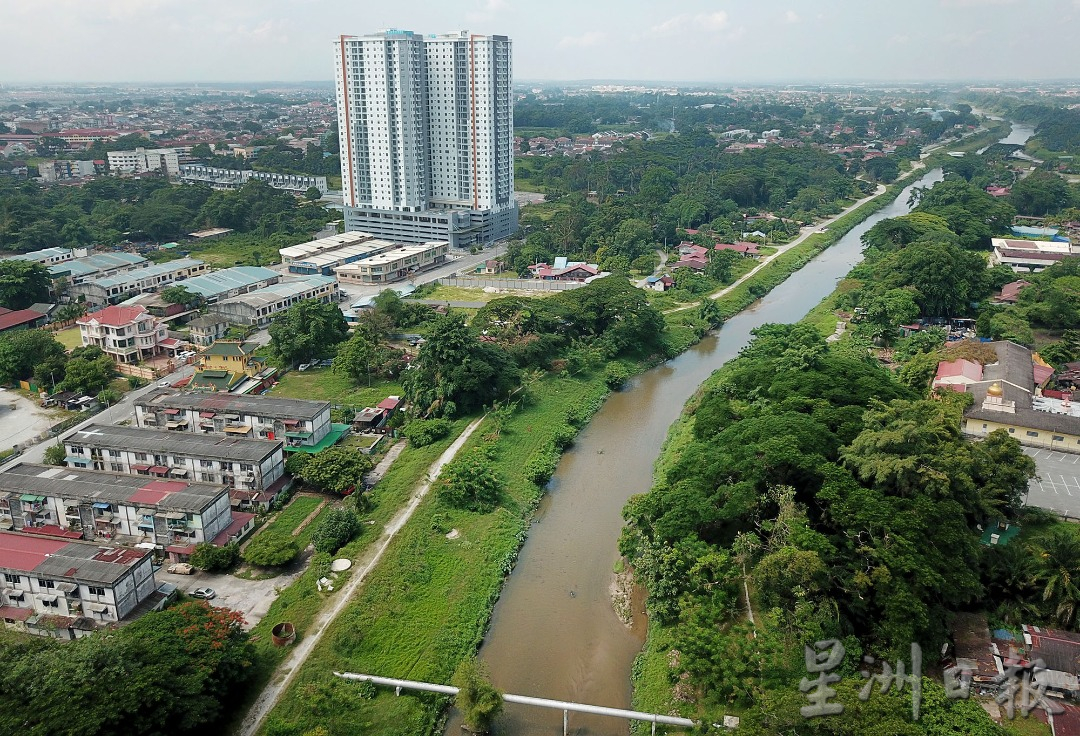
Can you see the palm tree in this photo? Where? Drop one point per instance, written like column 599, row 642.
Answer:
column 1061, row 574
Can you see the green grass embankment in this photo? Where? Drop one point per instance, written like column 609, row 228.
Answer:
column 428, row 603
column 301, row 602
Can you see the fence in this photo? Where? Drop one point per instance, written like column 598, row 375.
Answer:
column 140, row 371
column 510, row 284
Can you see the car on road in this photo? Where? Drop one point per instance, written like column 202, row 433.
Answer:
column 164, row 384
column 204, row 593
column 180, row 568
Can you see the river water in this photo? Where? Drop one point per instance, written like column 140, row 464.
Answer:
column 554, row 633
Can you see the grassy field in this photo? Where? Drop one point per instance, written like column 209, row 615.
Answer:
column 301, row 602
column 463, row 294
column 323, row 384
column 69, row 338
column 427, row 604
column 290, row 517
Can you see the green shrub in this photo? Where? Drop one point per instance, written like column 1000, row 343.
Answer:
column 211, row 558
column 541, row 465
column 335, row 529
column 421, row 432
column 470, row 482
column 271, row 550
column 564, row 437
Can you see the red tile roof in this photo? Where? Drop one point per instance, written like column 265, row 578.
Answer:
column 114, row 316
column 22, row 552
column 959, row 368
column 9, row 319
column 15, row 613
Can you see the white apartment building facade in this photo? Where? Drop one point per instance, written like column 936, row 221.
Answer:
column 142, row 160
column 426, row 136
column 393, row 265
column 125, row 334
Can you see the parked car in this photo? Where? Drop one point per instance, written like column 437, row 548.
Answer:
column 204, row 593
column 326, row 363
column 180, row 568
column 303, row 367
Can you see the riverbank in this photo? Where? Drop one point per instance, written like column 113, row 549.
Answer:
column 429, row 603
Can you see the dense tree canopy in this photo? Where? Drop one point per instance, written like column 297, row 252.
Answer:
column 23, row 283
column 307, row 330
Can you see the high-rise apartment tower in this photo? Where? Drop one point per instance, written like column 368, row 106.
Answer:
column 426, row 129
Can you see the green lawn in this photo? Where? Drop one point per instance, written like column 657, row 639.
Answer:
column 69, row 338
column 323, row 384
column 290, row 517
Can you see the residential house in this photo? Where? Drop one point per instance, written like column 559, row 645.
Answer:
column 745, row 249
column 659, row 283
column 77, row 270
column 206, row 329
column 64, row 588
column 693, row 262
column 564, row 270
column 126, row 334
column 490, row 267
column 1010, row 293
column 171, row 453
column 305, row 425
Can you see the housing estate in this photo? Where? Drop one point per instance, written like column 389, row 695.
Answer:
column 237, row 462
column 77, row 270
column 217, row 178
column 101, row 506
column 54, row 579
column 302, row 423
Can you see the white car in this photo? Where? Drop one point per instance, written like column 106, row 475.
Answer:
column 164, row 384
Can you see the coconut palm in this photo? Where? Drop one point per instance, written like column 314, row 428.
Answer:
column 1060, row 552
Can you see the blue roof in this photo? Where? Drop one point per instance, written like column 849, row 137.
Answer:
column 93, row 264
column 157, row 269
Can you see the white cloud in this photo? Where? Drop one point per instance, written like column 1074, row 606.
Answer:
column 585, row 40
column 686, row 22
column 792, row 17
column 898, row 39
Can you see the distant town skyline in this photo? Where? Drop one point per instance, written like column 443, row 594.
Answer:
column 689, row 41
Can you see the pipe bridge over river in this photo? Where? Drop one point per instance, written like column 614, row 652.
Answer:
column 564, row 706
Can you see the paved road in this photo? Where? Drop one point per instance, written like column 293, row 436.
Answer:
column 466, row 263
column 1057, row 486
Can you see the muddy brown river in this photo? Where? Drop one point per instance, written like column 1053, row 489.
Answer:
column 554, row 633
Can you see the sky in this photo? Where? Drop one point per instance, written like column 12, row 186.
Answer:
column 709, row 41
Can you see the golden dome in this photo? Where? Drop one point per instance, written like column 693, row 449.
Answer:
column 995, row 389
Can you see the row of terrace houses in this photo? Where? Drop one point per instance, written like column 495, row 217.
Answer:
column 299, row 422
column 49, row 578
column 237, row 462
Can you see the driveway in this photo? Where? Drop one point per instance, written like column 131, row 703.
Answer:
column 250, row 597
column 1057, row 486
column 21, row 420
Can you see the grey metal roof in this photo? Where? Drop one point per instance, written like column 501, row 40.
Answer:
column 211, row 284
column 282, row 290
column 95, row 486
column 78, row 561
column 156, row 269
column 209, row 446
column 264, row 406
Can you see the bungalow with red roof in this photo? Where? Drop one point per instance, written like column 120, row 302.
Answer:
column 567, row 272
column 743, row 248
column 997, row 191
column 693, row 262
column 126, row 334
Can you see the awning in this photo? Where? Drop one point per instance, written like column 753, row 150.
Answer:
column 68, row 502
column 178, row 471
column 159, row 468
column 206, row 415
column 178, row 423
column 298, row 435
column 133, row 467
column 31, row 498
column 290, row 422
column 97, row 607
column 77, row 460
column 174, row 515
column 102, row 505
column 145, row 512
column 14, row 613
column 238, row 430
column 47, row 598
column 172, row 412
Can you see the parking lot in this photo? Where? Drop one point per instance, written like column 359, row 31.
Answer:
column 252, row 598
column 1057, row 486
